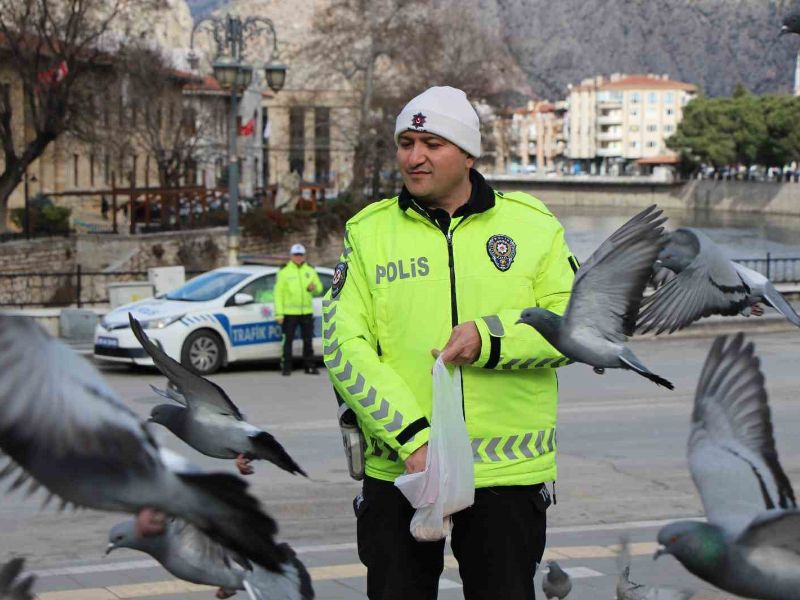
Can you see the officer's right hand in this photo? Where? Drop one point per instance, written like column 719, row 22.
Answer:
column 279, row 320
column 418, row 460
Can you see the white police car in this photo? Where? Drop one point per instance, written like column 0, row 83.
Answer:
column 220, row 317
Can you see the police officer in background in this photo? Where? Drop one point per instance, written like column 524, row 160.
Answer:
column 447, row 266
column 297, row 283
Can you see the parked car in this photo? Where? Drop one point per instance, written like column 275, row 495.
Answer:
column 222, row 316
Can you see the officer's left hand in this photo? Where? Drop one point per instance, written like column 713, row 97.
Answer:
column 463, row 347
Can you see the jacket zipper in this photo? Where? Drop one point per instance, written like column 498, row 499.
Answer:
column 451, row 265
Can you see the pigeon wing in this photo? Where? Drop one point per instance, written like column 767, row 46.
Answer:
column 731, row 451
column 11, row 586
column 708, row 286
column 58, row 418
column 198, row 391
column 204, row 550
column 608, row 287
column 774, row 529
column 294, row 583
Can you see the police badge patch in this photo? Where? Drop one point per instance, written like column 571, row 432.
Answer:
column 502, row 250
column 339, row 277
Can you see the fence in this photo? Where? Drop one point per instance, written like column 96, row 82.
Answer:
column 779, row 270
column 68, row 288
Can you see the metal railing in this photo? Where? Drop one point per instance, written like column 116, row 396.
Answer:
column 63, row 288
column 778, row 270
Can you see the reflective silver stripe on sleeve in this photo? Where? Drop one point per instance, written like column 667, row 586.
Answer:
column 543, row 362
column 495, row 325
column 551, row 440
column 370, row 398
column 382, row 412
column 347, row 252
column 326, row 303
column 510, row 364
column 397, row 422
column 329, row 332
column 331, row 348
column 346, row 372
column 330, row 314
column 336, row 360
column 357, row 387
column 527, row 363
column 539, row 441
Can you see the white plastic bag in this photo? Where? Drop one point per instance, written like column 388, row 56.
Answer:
column 447, row 484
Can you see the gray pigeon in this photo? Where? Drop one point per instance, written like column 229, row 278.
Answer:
column 189, row 554
column 11, row 586
column 209, row 421
column 707, row 283
column 750, row 545
column 65, row 428
column 556, row 583
column 605, row 299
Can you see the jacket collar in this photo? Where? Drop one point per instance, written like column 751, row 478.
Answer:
column 480, row 200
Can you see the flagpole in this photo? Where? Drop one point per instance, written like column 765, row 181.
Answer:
column 233, row 186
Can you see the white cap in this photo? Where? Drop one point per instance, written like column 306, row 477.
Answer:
column 446, row 112
column 298, row 249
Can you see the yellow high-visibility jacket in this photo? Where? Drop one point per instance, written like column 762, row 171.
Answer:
column 403, row 283
column 292, row 296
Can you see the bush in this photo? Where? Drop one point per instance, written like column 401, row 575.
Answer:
column 44, row 216
column 274, row 224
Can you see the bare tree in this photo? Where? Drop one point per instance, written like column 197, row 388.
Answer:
column 386, row 54
column 60, row 54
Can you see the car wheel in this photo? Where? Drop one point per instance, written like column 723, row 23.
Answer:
column 203, row 352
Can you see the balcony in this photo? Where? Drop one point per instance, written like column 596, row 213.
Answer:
column 608, row 103
column 612, row 118
column 608, row 151
column 609, row 136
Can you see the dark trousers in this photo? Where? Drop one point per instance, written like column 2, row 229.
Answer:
column 290, row 323
column 498, row 543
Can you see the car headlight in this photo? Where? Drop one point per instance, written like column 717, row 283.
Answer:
column 160, row 323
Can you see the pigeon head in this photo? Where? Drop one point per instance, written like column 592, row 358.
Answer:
column 791, row 23
column 168, row 415
column 542, row 320
column 123, row 535
column 679, row 251
column 555, row 572
column 700, row 547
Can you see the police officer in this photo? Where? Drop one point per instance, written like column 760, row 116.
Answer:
column 297, row 283
column 447, row 266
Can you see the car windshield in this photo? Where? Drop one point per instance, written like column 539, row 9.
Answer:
column 207, row 286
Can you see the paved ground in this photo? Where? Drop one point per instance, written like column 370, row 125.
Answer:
column 622, row 472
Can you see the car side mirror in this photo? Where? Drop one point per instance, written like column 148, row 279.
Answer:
column 241, row 299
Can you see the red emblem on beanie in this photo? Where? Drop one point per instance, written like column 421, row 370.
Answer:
column 418, row 120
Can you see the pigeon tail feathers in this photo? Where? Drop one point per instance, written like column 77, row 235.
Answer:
column 629, row 359
column 268, row 448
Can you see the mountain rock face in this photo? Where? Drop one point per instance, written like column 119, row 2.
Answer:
column 168, row 24
column 713, row 43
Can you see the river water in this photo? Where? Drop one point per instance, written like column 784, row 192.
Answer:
column 740, row 235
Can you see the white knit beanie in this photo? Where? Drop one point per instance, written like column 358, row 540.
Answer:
column 446, row 112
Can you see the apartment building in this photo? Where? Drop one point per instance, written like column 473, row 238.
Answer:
column 531, row 138
column 615, row 121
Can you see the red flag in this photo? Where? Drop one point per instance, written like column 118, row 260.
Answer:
column 247, row 128
column 54, row 74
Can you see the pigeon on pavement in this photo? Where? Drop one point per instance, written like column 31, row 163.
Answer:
column 11, row 587
column 556, row 583
column 209, row 421
column 707, row 283
column 750, row 545
column 64, row 427
column 189, row 554
column 605, row 299
column 628, row 590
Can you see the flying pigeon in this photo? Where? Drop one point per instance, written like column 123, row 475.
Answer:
column 64, row 427
column 707, row 283
column 605, row 299
column 209, row 421
column 189, row 554
column 750, row 545
column 11, row 586
column 556, row 583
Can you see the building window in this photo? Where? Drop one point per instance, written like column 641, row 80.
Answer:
column 75, row 174
column 636, row 97
column 669, row 97
column 670, row 112
column 91, row 170
column 297, row 139
column 634, row 113
column 652, row 97
column 669, row 128
column 652, row 128
column 634, row 144
column 322, row 144
column 634, row 129
column 651, row 144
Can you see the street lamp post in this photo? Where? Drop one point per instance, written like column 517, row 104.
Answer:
column 231, row 34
